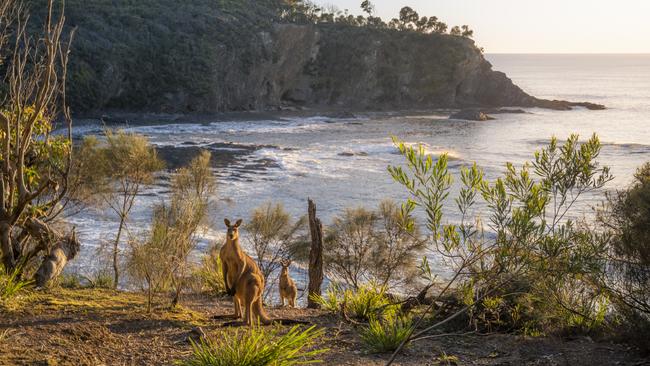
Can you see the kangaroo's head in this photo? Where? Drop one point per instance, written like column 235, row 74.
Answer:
column 233, row 230
column 285, row 265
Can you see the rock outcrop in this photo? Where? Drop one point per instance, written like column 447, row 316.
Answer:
column 471, row 115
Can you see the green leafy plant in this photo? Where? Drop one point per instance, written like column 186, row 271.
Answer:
column 381, row 336
column 258, row 346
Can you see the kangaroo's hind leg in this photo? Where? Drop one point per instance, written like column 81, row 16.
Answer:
column 248, row 304
column 237, row 302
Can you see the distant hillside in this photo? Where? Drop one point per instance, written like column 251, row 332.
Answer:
column 225, row 55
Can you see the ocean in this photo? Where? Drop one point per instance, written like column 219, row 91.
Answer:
column 342, row 162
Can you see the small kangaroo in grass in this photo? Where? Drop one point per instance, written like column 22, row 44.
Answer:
column 288, row 289
column 243, row 278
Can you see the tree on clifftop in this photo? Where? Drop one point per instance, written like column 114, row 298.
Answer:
column 367, row 7
column 34, row 162
column 408, row 18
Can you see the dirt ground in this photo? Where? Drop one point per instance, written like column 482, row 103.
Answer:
column 104, row 327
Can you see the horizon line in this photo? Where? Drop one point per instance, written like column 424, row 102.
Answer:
column 569, row 53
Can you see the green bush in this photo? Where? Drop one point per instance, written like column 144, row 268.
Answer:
column 101, row 279
column 69, row 280
column 382, row 336
column 536, row 268
column 626, row 217
column 258, row 346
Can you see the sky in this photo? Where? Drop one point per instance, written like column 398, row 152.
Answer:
column 535, row 26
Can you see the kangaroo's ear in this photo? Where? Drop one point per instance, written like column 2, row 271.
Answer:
column 74, row 233
column 238, row 223
column 227, row 222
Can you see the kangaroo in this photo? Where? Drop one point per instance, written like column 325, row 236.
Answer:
column 243, row 278
column 288, row 289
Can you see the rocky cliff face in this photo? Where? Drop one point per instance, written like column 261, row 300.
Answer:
column 360, row 68
column 205, row 58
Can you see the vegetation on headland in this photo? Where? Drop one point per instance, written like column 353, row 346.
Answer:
column 206, row 56
column 521, row 266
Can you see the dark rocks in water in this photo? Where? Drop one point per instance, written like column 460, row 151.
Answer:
column 563, row 105
column 223, row 154
column 503, row 111
column 471, row 115
column 340, row 115
column 350, row 153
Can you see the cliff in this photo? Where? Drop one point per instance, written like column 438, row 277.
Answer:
column 207, row 56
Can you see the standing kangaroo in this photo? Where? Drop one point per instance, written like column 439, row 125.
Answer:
column 288, row 289
column 243, row 278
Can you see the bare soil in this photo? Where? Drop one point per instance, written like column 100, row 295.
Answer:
column 104, row 327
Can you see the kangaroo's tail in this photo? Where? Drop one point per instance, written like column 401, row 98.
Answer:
column 257, row 306
column 259, row 311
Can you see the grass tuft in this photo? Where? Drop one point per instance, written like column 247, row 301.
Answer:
column 11, row 284
column 385, row 335
column 366, row 303
column 257, row 346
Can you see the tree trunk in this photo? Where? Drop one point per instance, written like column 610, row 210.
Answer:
column 8, row 259
column 315, row 256
column 116, row 269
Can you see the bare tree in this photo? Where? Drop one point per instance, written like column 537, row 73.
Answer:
column 123, row 164
column 161, row 261
column 34, row 163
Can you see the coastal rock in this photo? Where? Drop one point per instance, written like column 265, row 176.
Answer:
column 471, row 115
column 504, row 111
column 562, row 105
column 350, row 153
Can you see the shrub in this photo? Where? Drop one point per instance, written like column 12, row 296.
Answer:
column 209, row 275
column 537, row 268
column 258, row 346
column 626, row 217
column 70, row 280
column 381, row 336
column 378, row 246
column 101, row 279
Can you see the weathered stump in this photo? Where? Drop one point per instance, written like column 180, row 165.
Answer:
column 315, row 256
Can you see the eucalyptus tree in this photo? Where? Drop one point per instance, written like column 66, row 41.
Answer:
column 35, row 163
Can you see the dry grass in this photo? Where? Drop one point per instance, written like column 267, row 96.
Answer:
column 105, row 327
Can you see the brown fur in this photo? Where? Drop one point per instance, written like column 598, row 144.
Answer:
column 243, row 278
column 288, row 289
